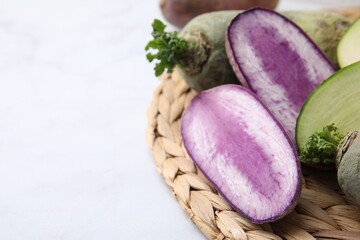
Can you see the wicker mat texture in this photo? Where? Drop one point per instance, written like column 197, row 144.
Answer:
column 322, row 211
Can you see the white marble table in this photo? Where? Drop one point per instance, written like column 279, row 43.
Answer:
column 74, row 89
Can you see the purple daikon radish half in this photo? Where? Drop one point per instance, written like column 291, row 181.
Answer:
column 244, row 151
column 276, row 60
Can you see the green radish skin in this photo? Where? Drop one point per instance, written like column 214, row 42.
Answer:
column 348, row 164
column 203, row 71
column 324, row 28
column 207, row 65
column 335, row 101
column 348, row 50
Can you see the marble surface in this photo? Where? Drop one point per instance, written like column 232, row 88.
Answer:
column 74, row 90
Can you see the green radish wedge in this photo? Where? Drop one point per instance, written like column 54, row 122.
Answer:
column 335, row 102
column 348, row 50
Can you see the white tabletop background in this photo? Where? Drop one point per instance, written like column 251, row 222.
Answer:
column 74, row 90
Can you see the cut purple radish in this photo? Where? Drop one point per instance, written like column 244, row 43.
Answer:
column 244, row 151
column 276, row 60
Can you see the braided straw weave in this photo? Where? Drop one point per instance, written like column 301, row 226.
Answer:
column 322, row 211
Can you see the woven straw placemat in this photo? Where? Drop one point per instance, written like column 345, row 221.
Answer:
column 322, row 211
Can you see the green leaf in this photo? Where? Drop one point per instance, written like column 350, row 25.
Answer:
column 321, row 147
column 166, row 47
column 158, row 27
column 159, row 69
column 150, row 57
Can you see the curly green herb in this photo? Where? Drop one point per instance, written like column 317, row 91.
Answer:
column 170, row 49
column 321, row 147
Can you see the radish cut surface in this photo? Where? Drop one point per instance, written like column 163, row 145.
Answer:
column 348, row 50
column 243, row 150
column 277, row 61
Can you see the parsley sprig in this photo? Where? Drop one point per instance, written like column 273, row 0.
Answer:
column 321, row 147
column 170, row 49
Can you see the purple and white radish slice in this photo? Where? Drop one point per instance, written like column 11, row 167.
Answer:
column 276, row 60
column 244, row 151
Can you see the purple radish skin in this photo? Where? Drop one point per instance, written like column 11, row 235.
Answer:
column 244, row 151
column 275, row 59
